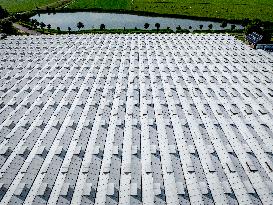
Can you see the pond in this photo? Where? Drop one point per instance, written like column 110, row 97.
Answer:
column 93, row 20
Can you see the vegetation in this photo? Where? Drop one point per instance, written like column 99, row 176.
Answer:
column 80, row 25
column 42, row 25
column 102, row 26
column 157, row 25
column 260, row 28
column 146, row 25
column 223, row 24
column 102, row 4
column 7, row 27
column 34, row 23
column 108, row 31
column 178, row 28
column 30, row 23
column 232, row 27
column 3, row 13
column 220, row 9
column 14, row 6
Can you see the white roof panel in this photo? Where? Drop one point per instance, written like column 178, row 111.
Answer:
column 138, row 114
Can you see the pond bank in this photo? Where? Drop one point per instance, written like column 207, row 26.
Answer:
column 123, row 31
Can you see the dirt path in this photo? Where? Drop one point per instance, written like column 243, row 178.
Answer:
column 25, row 30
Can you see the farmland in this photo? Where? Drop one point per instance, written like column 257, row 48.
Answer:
column 28, row 5
column 231, row 9
column 220, row 9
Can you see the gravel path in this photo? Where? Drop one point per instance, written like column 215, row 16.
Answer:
column 25, row 29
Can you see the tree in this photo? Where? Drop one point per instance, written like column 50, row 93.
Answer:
column 19, row 17
column 232, row 27
column 3, row 13
column 201, row 27
column 42, row 25
column 33, row 23
column 69, row 29
column 190, row 27
column 36, row 24
column 7, row 27
column 48, row 26
column 58, row 29
column 48, row 10
column 210, row 26
column 157, row 25
column 223, row 24
column 80, row 25
column 38, row 10
column 102, row 27
column 253, row 26
column 178, row 28
column 146, row 25
column 53, row 10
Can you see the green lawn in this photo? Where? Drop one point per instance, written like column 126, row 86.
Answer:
column 28, row 5
column 226, row 9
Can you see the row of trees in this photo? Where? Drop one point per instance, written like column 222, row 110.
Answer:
column 210, row 26
column 80, row 25
column 34, row 23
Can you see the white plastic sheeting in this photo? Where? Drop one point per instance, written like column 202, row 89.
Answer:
column 135, row 119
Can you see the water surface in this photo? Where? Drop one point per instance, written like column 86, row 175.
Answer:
column 93, row 20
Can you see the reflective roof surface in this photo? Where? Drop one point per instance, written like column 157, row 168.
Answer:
column 135, row 119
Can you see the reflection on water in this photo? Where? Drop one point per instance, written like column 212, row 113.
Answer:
column 119, row 21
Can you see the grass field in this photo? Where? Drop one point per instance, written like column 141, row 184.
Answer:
column 27, row 5
column 225, row 9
